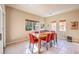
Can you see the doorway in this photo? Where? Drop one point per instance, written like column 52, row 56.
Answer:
column 1, row 30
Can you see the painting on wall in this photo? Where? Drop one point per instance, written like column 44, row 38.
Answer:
column 74, row 25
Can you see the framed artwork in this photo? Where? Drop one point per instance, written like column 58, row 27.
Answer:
column 74, row 25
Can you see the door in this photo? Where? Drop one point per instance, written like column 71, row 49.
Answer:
column 1, row 31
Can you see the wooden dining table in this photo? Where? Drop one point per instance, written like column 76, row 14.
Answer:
column 39, row 36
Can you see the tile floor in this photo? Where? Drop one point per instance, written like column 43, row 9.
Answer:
column 63, row 47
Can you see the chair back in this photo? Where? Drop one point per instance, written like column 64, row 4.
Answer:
column 55, row 35
column 52, row 36
column 47, row 37
column 31, row 38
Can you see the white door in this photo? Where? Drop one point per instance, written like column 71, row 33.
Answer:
column 1, row 31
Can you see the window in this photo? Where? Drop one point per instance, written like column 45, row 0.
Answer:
column 53, row 26
column 62, row 25
column 36, row 26
column 30, row 25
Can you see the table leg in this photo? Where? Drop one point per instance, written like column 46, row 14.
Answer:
column 56, row 38
column 39, row 45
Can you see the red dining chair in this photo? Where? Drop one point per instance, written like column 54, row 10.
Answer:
column 54, row 37
column 51, row 38
column 47, row 40
column 32, row 40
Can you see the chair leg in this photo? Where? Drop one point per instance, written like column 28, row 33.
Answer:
column 31, row 47
column 46, row 46
column 51, row 43
column 40, row 45
column 56, row 41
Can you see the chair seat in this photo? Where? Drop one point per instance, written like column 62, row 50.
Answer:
column 44, row 39
column 35, row 40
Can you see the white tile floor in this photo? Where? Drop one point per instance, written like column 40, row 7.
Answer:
column 63, row 47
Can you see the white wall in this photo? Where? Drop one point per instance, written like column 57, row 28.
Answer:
column 15, row 24
column 68, row 16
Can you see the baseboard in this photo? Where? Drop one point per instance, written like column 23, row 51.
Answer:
column 75, row 41
column 16, row 41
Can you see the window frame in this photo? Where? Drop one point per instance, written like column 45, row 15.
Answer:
column 30, row 22
column 60, row 25
column 54, row 25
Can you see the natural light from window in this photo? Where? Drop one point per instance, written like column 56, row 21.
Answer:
column 62, row 25
column 53, row 26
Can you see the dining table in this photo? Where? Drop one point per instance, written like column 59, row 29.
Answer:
column 39, row 36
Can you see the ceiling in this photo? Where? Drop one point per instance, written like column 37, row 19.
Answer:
column 45, row 10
